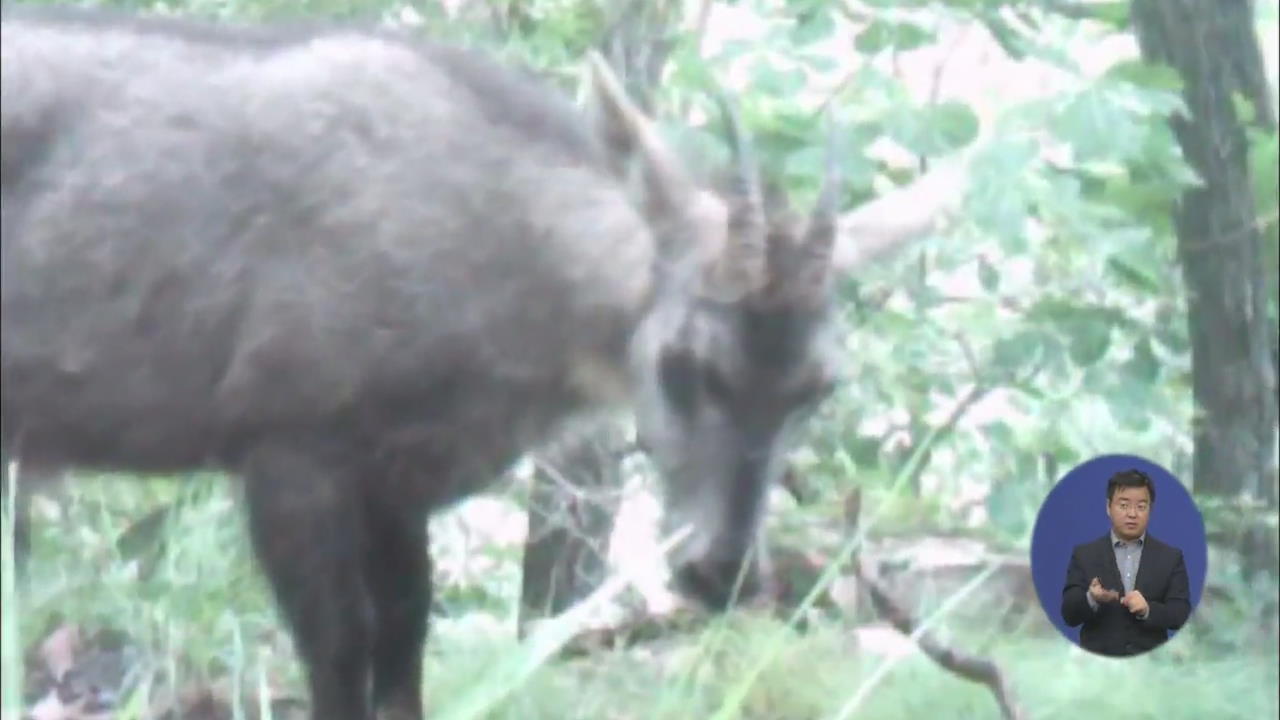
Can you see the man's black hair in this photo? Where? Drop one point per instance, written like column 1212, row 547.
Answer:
column 1130, row 478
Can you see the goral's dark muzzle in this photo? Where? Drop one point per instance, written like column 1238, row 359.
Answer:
column 717, row 584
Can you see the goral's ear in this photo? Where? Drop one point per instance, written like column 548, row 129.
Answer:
column 627, row 133
column 729, row 245
column 742, row 264
column 608, row 121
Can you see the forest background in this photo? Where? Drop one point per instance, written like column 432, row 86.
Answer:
column 1095, row 272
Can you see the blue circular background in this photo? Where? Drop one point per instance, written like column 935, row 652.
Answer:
column 1075, row 512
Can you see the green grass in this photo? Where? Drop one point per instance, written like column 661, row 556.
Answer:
column 10, row 639
column 201, row 615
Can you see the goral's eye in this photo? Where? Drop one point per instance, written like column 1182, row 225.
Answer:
column 685, row 379
column 679, row 380
column 716, row 386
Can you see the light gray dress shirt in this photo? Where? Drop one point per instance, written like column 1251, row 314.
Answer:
column 1128, row 556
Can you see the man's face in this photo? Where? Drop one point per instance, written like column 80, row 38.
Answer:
column 1130, row 508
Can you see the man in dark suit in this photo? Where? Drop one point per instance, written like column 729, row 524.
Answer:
column 1127, row 588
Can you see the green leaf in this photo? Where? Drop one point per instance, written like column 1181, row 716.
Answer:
column 736, row 48
column 1010, row 39
column 1014, row 353
column 1133, row 274
column 1170, row 329
column 1007, row 508
column 955, row 122
column 1155, row 76
column 1115, row 14
column 1004, row 215
column 1129, row 403
column 1087, row 328
column 769, row 79
column 936, row 129
column 1264, row 169
column 995, row 205
column 803, row 170
column 926, row 297
column 1245, row 112
column 689, row 69
column 1161, row 163
column 1060, row 202
column 1143, row 366
column 821, row 62
column 999, row 435
column 1031, row 391
column 1090, row 337
column 889, row 322
column 988, row 275
column 1138, row 200
column 807, row 162
column 881, row 34
column 1096, row 127
column 813, row 26
column 787, row 124
column 864, row 449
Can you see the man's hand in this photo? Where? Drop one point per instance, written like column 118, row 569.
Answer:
column 1135, row 602
column 1101, row 595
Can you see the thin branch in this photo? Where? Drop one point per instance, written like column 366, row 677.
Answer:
column 1071, row 9
column 970, row 358
column 935, row 79
column 699, row 29
column 837, row 90
column 857, row 21
column 971, row 398
column 843, row 7
column 1006, row 302
column 971, row 667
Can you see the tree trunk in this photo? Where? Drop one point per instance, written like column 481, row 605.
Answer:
column 1213, row 46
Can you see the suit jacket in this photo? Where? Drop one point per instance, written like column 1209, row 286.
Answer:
column 1112, row 629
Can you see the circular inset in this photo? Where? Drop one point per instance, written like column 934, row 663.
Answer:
column 1119, row 571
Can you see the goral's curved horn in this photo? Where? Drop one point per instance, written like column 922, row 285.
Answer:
column 746, row 177
column 747, row 251
column 820, row 236
column 818, row 244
